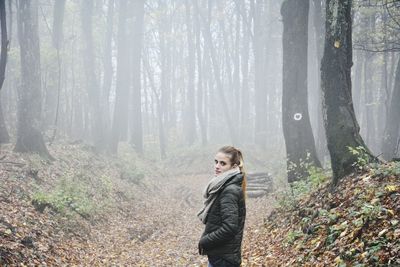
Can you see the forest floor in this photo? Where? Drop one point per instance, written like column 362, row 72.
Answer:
column 138, row 218
column 84, row 209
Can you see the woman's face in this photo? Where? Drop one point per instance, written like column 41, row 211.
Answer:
column 222, row 163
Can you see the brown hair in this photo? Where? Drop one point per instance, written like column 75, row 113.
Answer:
column 236, row 157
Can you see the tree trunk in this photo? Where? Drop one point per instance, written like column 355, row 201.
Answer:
column 189, row 113
column 245, row 120
column 261, row 96
column 299, row 139
column 93, row 90
column 390, row 145
column 136, row 121
column 58, row 19
column 108, row 67
column 341, row 126
column 319, row 30
column 200, row 89
column 122, row 84
column 4, row 137
column 29, row 136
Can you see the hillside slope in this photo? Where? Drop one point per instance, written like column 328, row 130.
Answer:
column 355, row 224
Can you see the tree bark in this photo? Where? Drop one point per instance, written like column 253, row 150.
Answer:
column 29, row 136
column 319, row 30
column 299, row 139
column 342, row 129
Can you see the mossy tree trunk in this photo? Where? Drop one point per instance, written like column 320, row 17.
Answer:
column 342, row 129
column 299, row 139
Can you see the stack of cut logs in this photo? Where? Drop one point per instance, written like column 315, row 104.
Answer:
column 259, row 184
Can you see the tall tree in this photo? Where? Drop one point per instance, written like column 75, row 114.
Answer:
column 29, row 136
column 391, row 137
column 299, row 139
column 258, row 10
column 319, row 30
column 136, row 121
column 342, row 129
column 122, row 84
column 92, row 87
column 58, row 19
column 4, row 137
column 107, row 64
column 189, row 114
column 245, row 56
column 200, row 90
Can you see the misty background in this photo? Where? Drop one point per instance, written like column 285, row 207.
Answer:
column 173, row 74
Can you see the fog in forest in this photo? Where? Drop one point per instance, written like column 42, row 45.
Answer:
column 170, row 76
column 113, row 113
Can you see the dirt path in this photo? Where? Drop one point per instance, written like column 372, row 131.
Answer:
column 161, row 227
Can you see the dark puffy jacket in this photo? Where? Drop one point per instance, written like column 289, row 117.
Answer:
column 225, row 222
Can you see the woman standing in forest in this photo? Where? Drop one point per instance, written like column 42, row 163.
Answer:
column 224, row 210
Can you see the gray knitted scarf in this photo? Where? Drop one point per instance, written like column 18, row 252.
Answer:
column 211, row 191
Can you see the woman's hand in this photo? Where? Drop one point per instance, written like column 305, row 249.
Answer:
column 201, row 250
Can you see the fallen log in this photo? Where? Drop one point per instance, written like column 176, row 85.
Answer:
column 255, row 194
column 251, row 188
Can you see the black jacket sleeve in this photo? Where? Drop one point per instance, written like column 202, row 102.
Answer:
column 230, row 219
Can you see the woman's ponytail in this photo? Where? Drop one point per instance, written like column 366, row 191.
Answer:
column 236, row 158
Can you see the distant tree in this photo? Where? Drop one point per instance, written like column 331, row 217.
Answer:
column 189, row 113
column 299, row 139
column 137, row 44
column 391, row 137
column 107, row 65
column 29, row 136
column 4, row 137
column 342, row 129
column 258, row 10
column 92, row 84
column 206, row 30
column 58, row 19
column 200, row 80
column 120, row 118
